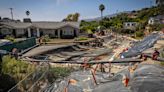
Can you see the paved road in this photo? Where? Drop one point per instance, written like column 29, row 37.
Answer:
column 43, row 49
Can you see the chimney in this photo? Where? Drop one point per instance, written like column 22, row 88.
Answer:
column 27, row 20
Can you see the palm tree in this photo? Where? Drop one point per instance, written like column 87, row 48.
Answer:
column 101, row 8
column 27, row 12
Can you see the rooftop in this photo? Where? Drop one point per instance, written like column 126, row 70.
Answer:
column 41, row 24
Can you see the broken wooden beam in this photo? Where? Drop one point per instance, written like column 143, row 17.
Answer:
column 127, row 60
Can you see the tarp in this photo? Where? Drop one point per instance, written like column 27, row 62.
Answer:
column 139, row 47
column 146, row 78
column 84, row 83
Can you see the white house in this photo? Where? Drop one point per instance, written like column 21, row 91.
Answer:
column 38, row 29
column 151, row 21
column 130, row 25
column 156, row 20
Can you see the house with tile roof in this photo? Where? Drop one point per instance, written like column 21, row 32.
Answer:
column 38, row 29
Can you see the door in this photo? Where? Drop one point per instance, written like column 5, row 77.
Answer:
column 33, row 33
column 14, row 32
column 56, row 33
column 75, row 34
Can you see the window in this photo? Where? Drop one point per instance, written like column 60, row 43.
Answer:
column 132, row 24
column 128, row 24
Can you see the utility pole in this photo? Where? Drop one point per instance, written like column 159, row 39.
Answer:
column 11, row 10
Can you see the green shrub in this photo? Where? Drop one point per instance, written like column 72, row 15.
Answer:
column 162, row 54
column 162, row 63
column 81, row 39
column 45, row 38
column 139, row 33
column 60, row 72
column 157, row 27
column 16, row 68
column 10, row 38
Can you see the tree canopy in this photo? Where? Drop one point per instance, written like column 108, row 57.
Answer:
column 160, row 2
column 140, row 16
column 27, row 12
column 72, row 17
column 101, row 8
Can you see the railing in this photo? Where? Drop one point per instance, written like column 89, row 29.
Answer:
column 37, row 80
column 20, row 45
column 33, row 81
column 126, row 60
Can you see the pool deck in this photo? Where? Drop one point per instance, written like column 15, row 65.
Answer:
column 43, row 49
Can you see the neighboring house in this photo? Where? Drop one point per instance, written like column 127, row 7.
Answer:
column 151, row 21
column 132, row 15
column 38, row 29
column 156, row 20
column 130, row 25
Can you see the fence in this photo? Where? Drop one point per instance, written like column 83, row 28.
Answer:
column 20, row 45
column 34, row 80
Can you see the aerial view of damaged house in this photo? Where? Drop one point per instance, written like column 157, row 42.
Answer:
column 82, row 46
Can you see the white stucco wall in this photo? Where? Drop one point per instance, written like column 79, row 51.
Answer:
column 20, row 32
column 130, row 25
column 50, row 32
column 68, row 30
column 151, row 21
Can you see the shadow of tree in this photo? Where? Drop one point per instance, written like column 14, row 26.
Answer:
column 6, row 82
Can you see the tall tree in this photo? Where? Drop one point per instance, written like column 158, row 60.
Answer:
column 72, row 17
column 76, row 17
column 160, row 2
column 101, row 8
column 27, row 13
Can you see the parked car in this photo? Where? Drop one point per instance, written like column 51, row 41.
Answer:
column 5, row 42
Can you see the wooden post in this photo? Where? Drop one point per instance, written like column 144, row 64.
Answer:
column 94, row 78
column 110, row 67
column 95, row 69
